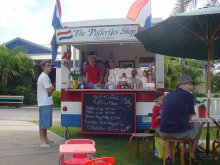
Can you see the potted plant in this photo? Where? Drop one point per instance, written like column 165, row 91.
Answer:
column 202, row 108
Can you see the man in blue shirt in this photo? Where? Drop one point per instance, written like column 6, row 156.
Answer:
column 178, row 109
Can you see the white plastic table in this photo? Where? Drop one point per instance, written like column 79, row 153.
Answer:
column 77, row 149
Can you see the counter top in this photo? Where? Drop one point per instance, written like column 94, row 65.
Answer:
column 110, row 90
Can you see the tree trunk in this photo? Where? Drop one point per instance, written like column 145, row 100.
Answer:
column 4, row 80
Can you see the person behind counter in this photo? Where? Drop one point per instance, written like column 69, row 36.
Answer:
column 112, row 65
column 93, row 72
column 150, row 76
column 133, row 79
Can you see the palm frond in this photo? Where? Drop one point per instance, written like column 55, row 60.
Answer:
column 180, row 6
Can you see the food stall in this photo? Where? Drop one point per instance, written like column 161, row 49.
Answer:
column 119, row 106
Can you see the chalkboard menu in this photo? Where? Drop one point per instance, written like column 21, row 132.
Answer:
column 108, row 113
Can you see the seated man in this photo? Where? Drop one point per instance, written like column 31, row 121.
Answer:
column 178, row 109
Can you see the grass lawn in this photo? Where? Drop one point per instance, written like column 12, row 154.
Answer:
column 117, row 146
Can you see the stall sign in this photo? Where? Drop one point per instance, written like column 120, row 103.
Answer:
column 96, row 34
column 108, row 113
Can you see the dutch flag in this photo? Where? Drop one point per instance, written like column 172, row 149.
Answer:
column 140, row 12
column 56, row 23
column 64, row 35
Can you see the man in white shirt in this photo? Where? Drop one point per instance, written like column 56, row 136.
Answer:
column 133, row 79
column 45, row 102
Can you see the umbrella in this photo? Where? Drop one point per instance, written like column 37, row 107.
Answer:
column 194, row 35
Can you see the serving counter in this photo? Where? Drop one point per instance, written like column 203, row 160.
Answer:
column 104, row 111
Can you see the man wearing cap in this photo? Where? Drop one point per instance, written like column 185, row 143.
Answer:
column 178, row 109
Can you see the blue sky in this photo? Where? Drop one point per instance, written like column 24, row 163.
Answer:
column 31, row 19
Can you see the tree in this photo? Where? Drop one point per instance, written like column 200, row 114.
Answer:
column 27, row 70
column 182, row 5
column 9, row 62
column 215, row 83
column 14, row 65
column 174, row 69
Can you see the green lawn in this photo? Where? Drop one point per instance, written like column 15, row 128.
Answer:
column 117, row 146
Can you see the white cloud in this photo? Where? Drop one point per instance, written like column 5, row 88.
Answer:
column 22, row 18
column 95, row 9
column 31, row 19
column 14, row 12
column 38, row 28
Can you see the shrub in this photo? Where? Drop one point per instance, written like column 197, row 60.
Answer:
column 57, row 99
column 3, row 90
column 27, row 92
column 216, row 95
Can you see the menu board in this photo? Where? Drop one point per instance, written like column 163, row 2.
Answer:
column 108, row 113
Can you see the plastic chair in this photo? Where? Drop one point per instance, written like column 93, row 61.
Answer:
column 101, row 161
column 78, row 158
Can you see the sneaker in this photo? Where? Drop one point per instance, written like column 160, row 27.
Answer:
column 45, row 146
column 168, row 160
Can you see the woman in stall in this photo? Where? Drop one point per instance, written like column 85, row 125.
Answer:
column 150, row 76
column 112, row 65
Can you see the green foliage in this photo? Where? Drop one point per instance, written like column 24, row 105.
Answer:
column 215, row 83
column 180, row 6
column 26, row 92
column 173, row 69
column 201, row 95
column 15, row 65
column 202, row 104
column 216, row 95
column 3, row 90
column 57, row 99
column 8, row 65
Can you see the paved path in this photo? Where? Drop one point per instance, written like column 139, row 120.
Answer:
column 27, row 113
column 19, row 138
